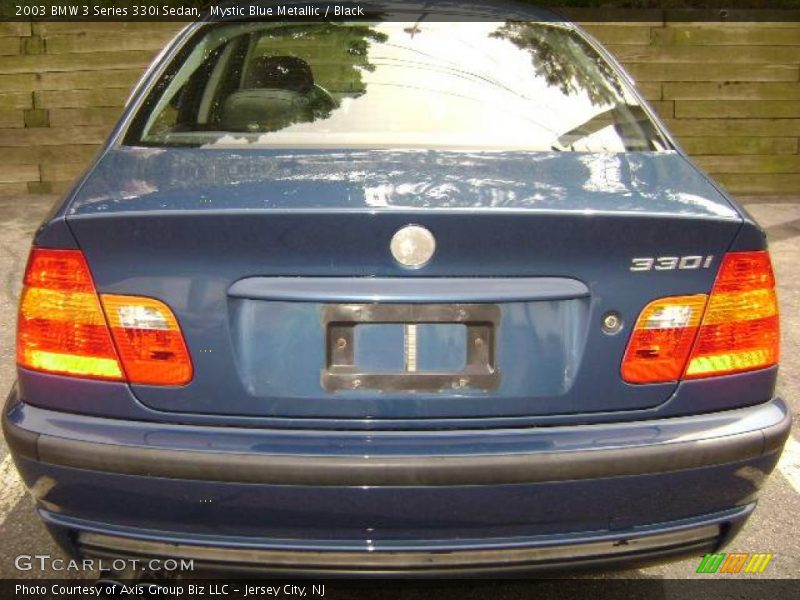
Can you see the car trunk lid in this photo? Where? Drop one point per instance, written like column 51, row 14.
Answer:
column 277, row 265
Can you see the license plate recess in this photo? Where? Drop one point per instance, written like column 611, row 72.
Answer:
column 479, row 373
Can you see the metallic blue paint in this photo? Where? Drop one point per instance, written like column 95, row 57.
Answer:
column 447, row 517
column 194, row 227
column 407, row 290
column 116, row 400
column 207, row 180
column 185, row 225
column 169, row 436
column 503, row 538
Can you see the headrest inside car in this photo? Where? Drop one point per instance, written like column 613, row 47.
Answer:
column 263, row 110
column 280, row 73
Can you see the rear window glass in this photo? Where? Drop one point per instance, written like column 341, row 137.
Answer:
column 487, row 86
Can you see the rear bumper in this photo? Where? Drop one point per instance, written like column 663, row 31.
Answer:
column 351, row 458
column 596, row 550
column 393, row 502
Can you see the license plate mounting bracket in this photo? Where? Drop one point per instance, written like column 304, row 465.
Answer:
column 480, row 371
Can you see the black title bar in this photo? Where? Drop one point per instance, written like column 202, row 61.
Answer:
column 648, row 11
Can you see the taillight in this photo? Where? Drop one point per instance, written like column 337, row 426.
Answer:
column 148, row 339
column 740, row 330
column 62, row 327
column 662, row 339
column 734, row 329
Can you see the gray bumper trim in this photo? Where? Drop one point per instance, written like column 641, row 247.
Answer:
column 698, row 537
column 377, row 470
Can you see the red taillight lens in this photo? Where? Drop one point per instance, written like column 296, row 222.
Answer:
column 62, row 327
column 738, row 330
column 149, row 340
column 662, row 339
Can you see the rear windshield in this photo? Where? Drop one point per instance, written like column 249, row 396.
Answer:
column 485, row 86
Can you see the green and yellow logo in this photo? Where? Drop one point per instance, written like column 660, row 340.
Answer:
column 736, row 562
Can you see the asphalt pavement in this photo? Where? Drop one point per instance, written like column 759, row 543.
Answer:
column 773, row 528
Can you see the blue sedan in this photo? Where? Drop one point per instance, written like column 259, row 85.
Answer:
column 419, row 294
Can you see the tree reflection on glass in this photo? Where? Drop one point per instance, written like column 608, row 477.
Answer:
column 306, row 69
column 253, row 77
column 564, row 60
column 338, row 51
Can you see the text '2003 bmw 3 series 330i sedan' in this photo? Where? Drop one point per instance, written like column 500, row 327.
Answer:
column 395, row 296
